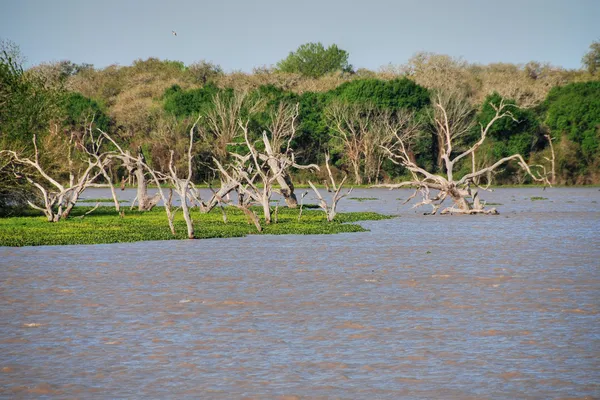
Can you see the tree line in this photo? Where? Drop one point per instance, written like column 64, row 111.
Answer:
column 342, row 115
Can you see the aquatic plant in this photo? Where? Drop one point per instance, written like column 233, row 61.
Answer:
column 104, row 225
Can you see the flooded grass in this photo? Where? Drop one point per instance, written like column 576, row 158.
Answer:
column 105, row 225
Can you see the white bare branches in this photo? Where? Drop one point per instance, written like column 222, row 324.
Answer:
column 222, row 121
column 183, row 186
column 452, row 118
column 361, row 131
column 330, row 209
column 141, row 167
column 59, row 198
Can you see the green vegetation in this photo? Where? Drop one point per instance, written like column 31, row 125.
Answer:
column 536, row 198
column 149, row 106
column 106, row 200
column 387, row 94
column 591, row 59
column 314, row 60
column 104, row 225
column 572, row 112
column 361, row 199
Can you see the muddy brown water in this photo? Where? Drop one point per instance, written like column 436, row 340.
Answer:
column 498, row 307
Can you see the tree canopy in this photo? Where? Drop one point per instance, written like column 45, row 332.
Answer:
column 314, row 60
column 396, row 93
column 574, row 110
column 591, row 59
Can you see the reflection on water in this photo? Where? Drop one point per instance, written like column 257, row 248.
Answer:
column 419, row 307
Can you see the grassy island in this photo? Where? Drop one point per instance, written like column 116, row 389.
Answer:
column 104, row 225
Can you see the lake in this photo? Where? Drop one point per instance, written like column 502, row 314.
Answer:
column 420, row 307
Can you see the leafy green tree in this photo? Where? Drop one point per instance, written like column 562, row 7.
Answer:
column 518, row 135
column 314, row 60
column 575, row 110
column 572, row 113
column 184, row 103
column 26, row 104
column 591, row 59
column 397, row 93
column 80, row 110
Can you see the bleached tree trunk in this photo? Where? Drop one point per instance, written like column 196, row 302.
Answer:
column 58, row 198
column 357, row 175
column 282, row 128
column 285, row 183
column 552, row 160
column 238, row 177
column 330, row 209
column 184, row 186
column 113, row 193
column 103, row 164
column 156, row 176
column 225, row 188
column 452, row 119
column 253, row 175
column 145, row 202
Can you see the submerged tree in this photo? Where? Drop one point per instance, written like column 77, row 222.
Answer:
column 253, row 175
column 184, row 187
column 330, row 209
column 84, row 163
column 257, row 165
column 453, row 119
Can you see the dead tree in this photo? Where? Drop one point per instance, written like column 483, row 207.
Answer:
column 102, row 162
column 183, row 186
column 58, row 198
column 258, row 171
column 282, row 129
column 239, row 177
column 361, row 131
column 330, row 209
column 256, row 178
column 552, row 160
column 452, row 120
column 254, row 175
column 156, row 176
column 267, row 168
column 139, row 167
column 222, row 122
column 281, row 132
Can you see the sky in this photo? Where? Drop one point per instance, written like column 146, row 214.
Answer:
column 243, row 34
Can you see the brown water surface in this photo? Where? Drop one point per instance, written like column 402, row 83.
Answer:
column 419, row 307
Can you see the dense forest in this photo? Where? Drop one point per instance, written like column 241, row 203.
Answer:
column 47, row 110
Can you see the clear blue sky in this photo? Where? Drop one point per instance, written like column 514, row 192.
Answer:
column 242, row 34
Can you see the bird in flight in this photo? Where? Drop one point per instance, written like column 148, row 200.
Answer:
column 174, row 33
